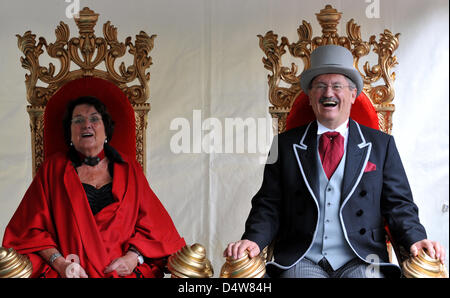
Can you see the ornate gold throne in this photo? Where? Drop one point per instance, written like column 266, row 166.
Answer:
column 282, row 98
column 87, row 67
column 287, row 99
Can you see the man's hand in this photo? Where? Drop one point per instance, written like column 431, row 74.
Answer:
column 236, row 249
column 434, row 249
column 123, row 265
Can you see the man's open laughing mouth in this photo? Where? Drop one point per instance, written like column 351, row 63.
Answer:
column 329, row 101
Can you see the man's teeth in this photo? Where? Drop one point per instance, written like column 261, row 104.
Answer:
column 329, row 103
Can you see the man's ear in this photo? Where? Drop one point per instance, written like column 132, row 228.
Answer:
column 354, row 92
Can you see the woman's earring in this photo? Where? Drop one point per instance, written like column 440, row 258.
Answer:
column 71, row 144
column 106, row 141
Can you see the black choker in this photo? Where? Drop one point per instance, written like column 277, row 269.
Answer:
column 92, row 161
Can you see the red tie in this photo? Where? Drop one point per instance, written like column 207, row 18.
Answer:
column 331, row 150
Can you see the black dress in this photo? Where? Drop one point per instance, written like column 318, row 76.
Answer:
column 101, row 197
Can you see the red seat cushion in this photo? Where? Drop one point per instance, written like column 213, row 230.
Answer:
column 117, row 103
column 362, row 112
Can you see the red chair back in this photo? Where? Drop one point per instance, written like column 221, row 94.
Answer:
column 117, row 103
column 362, row 112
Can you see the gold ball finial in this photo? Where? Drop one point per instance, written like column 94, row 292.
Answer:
column 244, row 267
column 13, row 264
column 3, row 252
column 198, row 249
column 423, row 266
column 190, row 262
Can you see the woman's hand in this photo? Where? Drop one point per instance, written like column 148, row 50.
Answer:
column 123, row 265
column 67, row 269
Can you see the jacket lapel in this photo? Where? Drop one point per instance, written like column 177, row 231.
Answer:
column 358, row 152
column 306, row 154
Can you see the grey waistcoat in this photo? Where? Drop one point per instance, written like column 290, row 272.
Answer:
column 329, row 241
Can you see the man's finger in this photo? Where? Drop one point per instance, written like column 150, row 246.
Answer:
column 235, row 251
column 429, row 247
column 242, row 248
column 253, row 251
column 414, row 250
column 442, row 258
column 225, row 251
column 439, row 252
column 229, row 250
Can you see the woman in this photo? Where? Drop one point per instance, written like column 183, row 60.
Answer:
column 91, row 212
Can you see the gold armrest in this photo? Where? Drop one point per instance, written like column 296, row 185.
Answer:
column 13, row 264
column 244, row 267
column 423, row 266
column 190, row 262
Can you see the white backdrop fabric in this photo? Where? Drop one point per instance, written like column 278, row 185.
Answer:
column 207, row 62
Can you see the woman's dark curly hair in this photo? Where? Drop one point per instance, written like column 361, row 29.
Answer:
column 98, row 105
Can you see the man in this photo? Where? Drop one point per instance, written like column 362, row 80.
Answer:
column 335, row 184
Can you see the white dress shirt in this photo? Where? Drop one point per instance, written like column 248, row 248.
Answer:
column 342, row 129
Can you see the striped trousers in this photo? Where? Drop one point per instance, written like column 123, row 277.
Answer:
column 308, row 269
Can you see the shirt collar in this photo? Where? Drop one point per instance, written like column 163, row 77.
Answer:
column 342, row 129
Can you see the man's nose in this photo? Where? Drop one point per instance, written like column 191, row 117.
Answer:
column 329, row 91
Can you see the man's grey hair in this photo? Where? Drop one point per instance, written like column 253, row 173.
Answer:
column 351, row 84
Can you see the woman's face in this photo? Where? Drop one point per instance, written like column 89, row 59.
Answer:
column 87, row 130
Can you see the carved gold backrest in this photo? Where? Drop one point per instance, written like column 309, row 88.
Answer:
column 282, row 97
column 89, row 53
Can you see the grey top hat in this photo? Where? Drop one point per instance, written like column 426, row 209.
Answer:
column 331, row 59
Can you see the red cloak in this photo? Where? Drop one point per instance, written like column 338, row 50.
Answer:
column 55, row 213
